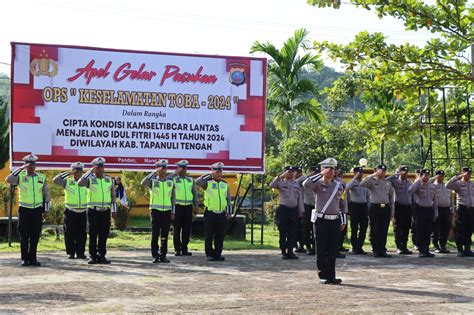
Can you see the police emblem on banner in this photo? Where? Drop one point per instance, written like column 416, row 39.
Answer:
column 44, row 66
column 237, row 73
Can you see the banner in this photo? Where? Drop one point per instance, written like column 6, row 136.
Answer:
column 73, row 104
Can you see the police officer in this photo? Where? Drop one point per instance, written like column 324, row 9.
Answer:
column 339, row 175
column 289, row 211
column 359, row 201
column 218, row 209
column 464, row 189
column 380, row 210
column 442, row 225
column 162, row 202
column 100, row 203
column 426, row 210
column 300, row 243
column 34, row 204
column 331, row 218
column 403, row 209
column 75, row 213
column 308, row 201
column 186, row 203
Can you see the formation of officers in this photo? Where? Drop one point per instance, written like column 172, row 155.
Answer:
column 313, row 211
column 90, row 197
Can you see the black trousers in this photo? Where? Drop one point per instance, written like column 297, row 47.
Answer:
column 75, row 235
column 379, row 222
column 424, row 227
column 183, row 220
column 464, row 227
column 327, row 246
column 99, row 228
column 29, row 226
column 214, row 225
column 308, row 237
column 359, row 223
column 342, row 236
column 287, row 224
column 441, row 227
column 414, row 237
column 299, row 233
column 402, row 224
column 160, row 227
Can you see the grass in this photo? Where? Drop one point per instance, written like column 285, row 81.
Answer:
column 141, row 240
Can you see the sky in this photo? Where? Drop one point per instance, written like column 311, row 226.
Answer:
column 200, row 26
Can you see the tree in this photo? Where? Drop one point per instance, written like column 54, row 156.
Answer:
column 4, row 133
column 289, row 94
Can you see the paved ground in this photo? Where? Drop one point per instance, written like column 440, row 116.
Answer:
column 248, row 282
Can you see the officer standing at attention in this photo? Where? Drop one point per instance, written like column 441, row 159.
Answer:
column 380, row 210
column 426, row 210
column 331, row 218
column 339, row 175
column 308, row 201
column 359, row 201
column 162, row 201
column 442, row 225
column 75, row 214
column 289, row 211
column 100, row 203
column 299, row 228
column 186, row 203
column 403, row 209
column 464, row 189
column 34, row 204
column 218, row 210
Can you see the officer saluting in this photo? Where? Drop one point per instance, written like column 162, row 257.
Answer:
column 331, row 218
column 464, row 189
column 75, row 215
column 289, row 210
column 426, row 210
column 380, row 210
column 34, row 202
column 359, row 199
column 162, row 200
column 186, row 203
column 218, row 209
column 100, row 203
column 442, row 225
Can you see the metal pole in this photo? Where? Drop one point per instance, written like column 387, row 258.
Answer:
column 10, row 214
column 382, row 151
column 430, row 147
column 468, row 104
column 262, row 219
column 251, row 211
column 422, row 144
column 445, row 125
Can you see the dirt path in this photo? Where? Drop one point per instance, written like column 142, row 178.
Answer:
column 248, row 282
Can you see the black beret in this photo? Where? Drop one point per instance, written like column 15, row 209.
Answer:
column 417, row 171
column 403, row 168
column 358, row 169
column 382, row 167
column 439, row 172
column 425, row 171
column 316, row 168
column 299, row 168
column 291, row 168
column 467, row 169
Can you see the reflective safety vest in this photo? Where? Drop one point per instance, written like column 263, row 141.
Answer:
column 160, row 194
column 99, row 192
column 31, row 189
column 75, row 197
column 215, row 196
column 183, row 190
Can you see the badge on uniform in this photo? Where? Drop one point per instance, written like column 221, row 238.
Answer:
column 222, row 185
column 314, row 215
column 40, row 181
column 94, row 181
column 214, row 185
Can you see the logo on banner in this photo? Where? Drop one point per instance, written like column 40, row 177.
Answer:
column 237, row 73
column 44, row 66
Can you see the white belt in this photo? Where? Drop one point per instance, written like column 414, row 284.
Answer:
column 327, row 216
column 77, row 210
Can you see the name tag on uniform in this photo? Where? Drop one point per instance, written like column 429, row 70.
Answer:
column 40, row 180
column 314, row 215
column 382, row 205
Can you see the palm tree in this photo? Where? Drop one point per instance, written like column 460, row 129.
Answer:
column 289, row 95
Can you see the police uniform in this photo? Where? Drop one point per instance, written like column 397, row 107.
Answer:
column 380, row 210
column 464, row 213
column 359, row 201
column 442, row 225
column 403, row 210
column 330, row 213
column 426, row 210
column 75, row 213
column 34, row 201
column 186, row 200
column 300, row 242
column 162, row 203
column 343, row 235
column 100, row 203
column 308, row 201
column 290, row 208
column 217, row 207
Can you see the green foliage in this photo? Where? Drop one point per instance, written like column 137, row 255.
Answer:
column 56, row 216
column 122, row 217
column 4, row 132
column 131, row 181
column 5, row 197
column 289, row 94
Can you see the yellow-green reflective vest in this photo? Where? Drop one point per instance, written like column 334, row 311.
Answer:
column 160, row 194
column 215, row 196
column 99, row 192
column 31, row 190
column 75, row 197
column 183, row 190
